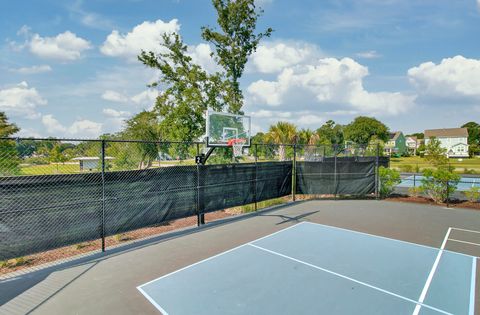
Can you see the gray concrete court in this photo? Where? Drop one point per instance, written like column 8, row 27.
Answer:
column 107, row 284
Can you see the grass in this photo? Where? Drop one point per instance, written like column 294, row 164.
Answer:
column 412, row 162
column 48, row 169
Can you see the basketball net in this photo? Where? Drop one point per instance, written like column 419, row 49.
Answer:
column 237, row 145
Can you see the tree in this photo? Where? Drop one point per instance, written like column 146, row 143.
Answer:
column 362, row 129
column 235, row 41
column 330, row 133
column 9, row 159
column 189, row 91
column 419, row 135
column 473, row 137
column 56, row 155
column 389, row 178
column 282, row 133
column 144, row 126
column 439, row 184
column 435, row 154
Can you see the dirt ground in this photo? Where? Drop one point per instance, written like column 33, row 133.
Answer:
column 424, row 200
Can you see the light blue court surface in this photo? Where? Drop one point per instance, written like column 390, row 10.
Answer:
column 465, row 183
column 316, row 269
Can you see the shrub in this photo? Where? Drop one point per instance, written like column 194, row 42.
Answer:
column 473, row 194
column 389, row 178
column 439, row 184
column 415, row 191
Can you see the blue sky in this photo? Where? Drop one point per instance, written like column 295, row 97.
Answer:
column 68, row 68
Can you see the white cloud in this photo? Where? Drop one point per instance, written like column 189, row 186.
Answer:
column 90, row 19
column 452, row 78
column 81, row 128
column 478, row 4
column 328, row 82
column 146, row 36
column 110, row 112
column 114, row 96
column 21, row 101
column 273, row 57
column 33, row 69
column 371, row 54
column 53, row 126
column 145, row 98
column 64, row 47
column 201, row 55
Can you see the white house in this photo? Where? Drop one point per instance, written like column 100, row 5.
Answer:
column 454, row 140
column 412, row 144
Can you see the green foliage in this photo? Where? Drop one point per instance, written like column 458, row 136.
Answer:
column 439, row 184
column 435, row 154
column 235, row 41
column 407, row 168
column 330, row 133
column 419, row 135
column 421, row 150
column 389, row 178
column 362, row 129
column 9, row 158
column 282, row 133
column 375, row 146
column 473, row 137
column 473, row 194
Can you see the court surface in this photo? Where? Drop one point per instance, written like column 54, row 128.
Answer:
column 465, row 183
column 311, row 268
column 328, row 257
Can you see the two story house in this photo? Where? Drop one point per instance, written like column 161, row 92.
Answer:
column 396, row 145
column 454, row 140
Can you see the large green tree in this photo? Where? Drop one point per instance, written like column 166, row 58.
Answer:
column 435, row 153
column 473, row 137
column 330, row 133
column 362, row 129
column 188, row 91
column 9, row 159
column 234, row 41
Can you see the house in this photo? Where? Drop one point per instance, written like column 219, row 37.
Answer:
column 454, row 140
column 413, row 143
column 396, row 145
column 90, row 163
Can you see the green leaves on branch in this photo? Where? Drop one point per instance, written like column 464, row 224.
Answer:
column 439, row 184
column 363, row 129
column 389, row 178
column 235, row 41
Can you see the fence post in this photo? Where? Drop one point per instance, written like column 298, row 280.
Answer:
column 377, row 175
column 103, row 197
column 414, row 180
column 335, row 171
column 294, row 171
column 255, row 153
column 200, row 216
column 448, row 194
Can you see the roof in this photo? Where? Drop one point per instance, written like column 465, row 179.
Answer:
column 91, row 158
column 414, row 138
column 446, row 132
column 395, row 135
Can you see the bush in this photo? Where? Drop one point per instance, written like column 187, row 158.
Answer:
column 473, row 194
column 415, row 191
column 439, row 184
column 389, row 178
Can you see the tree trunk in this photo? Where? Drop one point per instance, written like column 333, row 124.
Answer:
column 281, row 152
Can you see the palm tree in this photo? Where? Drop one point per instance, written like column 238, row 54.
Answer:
column 282, row 133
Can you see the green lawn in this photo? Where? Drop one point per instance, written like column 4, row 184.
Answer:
column 460, row 164
column 49, row 169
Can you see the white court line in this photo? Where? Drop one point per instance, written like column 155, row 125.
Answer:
column 350, row 279
column 139, row 288
column 471, row 231
column 430, row 275
column 471, row 310
column 465, row 242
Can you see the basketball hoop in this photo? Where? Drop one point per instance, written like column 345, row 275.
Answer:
column 237, row 145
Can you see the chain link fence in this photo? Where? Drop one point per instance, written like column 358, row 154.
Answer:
column 61, row 198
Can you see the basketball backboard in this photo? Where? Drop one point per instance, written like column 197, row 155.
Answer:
column 223, row 129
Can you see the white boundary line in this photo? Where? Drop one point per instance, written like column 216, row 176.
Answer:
column 386, row 238
column 416, row 311
column 471, row 310
column 139, row 288
column 471, row 231
column 465, row 242
column 348, row 278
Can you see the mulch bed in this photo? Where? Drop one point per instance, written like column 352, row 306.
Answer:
column 425, row 200
column 95, row 245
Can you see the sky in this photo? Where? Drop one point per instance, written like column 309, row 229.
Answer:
column 69, row 68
